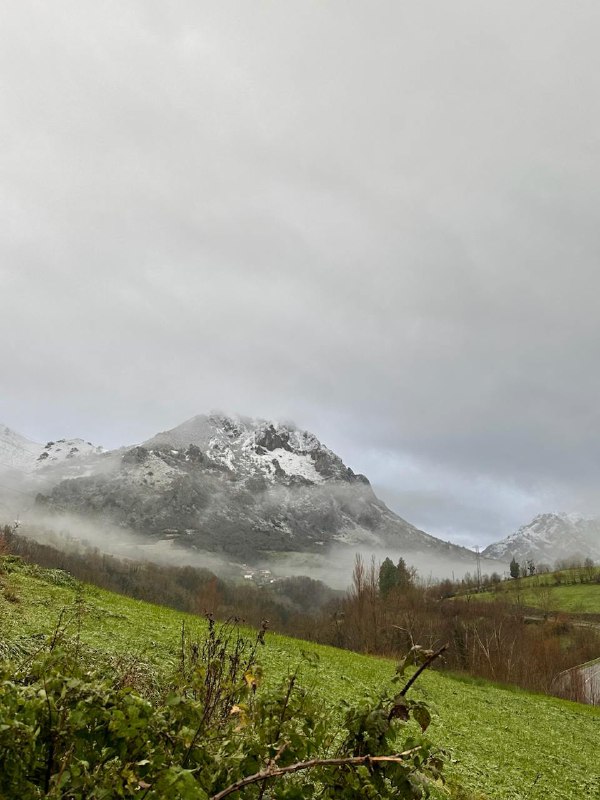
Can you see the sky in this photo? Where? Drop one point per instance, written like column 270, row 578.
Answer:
column 379, row 220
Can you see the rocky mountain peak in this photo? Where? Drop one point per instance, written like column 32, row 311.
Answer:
column 23, row 455
column 248, row 489
column 247, row 447
column 549, row 537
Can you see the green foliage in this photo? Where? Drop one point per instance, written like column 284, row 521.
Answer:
column 498, row 738
column 388, row 576
column 515, row 569
column 406, row 575
column 62, row 730
column 56, row 576
column 69, row 730
column 395, row 577
column 551, row 593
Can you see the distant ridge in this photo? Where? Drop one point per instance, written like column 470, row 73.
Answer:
column 21, row 454
column 551, row 537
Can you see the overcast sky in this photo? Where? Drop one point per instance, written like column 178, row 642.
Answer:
column 377, row 219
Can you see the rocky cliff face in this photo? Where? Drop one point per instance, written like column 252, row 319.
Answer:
column 550, row 537
column 280, row 454
column 242, row 487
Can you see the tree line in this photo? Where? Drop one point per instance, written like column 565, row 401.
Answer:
column 385, row 611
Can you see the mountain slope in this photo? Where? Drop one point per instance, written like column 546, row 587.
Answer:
column 24, row 456
column 280, row 453
column 533, row 737
column 246, row 489
column 16, row 452
column 549, row 537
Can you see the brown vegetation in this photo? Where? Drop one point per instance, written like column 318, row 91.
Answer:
column 492, row 640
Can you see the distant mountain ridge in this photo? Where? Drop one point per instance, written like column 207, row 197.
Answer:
column 247, row 489
column 550, row 537
column 21, row 454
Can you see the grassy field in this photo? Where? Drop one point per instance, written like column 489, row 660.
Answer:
column 579, row 598
column 504, row 743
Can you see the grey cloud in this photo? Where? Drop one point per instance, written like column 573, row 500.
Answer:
column 380, row 221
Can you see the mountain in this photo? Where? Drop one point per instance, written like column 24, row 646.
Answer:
column 16, row 452
column 550, row 537
column 245, row 489
column 21, row 455
column 257, row 448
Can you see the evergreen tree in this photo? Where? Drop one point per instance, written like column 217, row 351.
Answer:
column 388, row 577
column 406, row 575
column 514, row 568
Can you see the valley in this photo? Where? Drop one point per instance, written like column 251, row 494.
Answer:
column 504, row 743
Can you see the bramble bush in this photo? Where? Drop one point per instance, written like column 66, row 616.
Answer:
column 74, row 726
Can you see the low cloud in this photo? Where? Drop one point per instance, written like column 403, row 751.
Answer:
column 382, row 224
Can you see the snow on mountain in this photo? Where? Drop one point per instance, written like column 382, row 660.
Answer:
column 17, row 452
column 24, row 456
column 256, row 447
column 241, row 488
column 63, row 450
column 551, row 537
column 247, row 489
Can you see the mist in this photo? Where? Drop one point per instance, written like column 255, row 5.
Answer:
column 334, row 521
column 334, row 567
column 72, row 532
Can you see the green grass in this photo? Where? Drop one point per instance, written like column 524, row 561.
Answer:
column 504, row 743
column 580, row 598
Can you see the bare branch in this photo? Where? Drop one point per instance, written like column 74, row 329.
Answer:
column 354, row 761
column 424, row 666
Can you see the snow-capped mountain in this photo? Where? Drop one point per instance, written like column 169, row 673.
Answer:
column 17, row 452
column 249, row 447
column 238, row 486
column 243, row 488
column 24, row 456
column 551, row 537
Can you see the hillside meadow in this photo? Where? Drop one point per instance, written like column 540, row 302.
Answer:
column 543, row 592
column 503, row 743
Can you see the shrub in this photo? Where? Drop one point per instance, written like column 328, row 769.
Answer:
column 72, row 728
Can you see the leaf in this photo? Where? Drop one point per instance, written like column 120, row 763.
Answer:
column 251, row 681
column 422, row 716
column 173, row 699
column 401, row 666
column 400, row 708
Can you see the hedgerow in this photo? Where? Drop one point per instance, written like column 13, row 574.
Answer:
column 73, row 725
